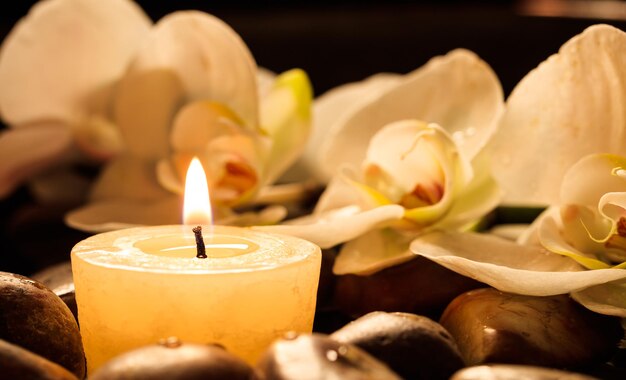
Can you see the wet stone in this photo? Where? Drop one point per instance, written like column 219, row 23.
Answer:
column 58, row 278
column 19, row 363
column 415, row 347
column 418, row 286
column 317, row 356
column 490, row 326
column 172, row 359
column 33, row 317
column 511, row 371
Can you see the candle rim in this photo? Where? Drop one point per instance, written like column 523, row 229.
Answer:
column 275, row 251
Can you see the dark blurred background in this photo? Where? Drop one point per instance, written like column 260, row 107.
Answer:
column 347, row 40
column 335, row 42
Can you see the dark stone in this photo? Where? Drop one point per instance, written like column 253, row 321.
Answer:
column 171, row 359
column 317, row 356
column 418, row 286
column 59, row 279
column 509, row 371
column 490, row 326
column 35, row 318
column 19, row 363
column 413, row 346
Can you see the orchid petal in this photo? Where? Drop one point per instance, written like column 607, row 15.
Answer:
column 286, row 119
column 510, row 267
column 198, row 123
column 332, row 228
column 209, row 58
column 115, row 214
column 552, row 239
column 409, row 157
column 570, row 106
column 265, row 79
column 268, row 216
column 130, row 178
column 44, row 77
column 404, row 154
column 476, row 199
column 169, row 172
column 330, row 108
column 144, row 106
column 344, row 190
column 60, row 186
column 19, row 161
column 233, row 167
column 98, row 138
column 511, row 232
column 372, row 252
column 591, row 177
column 458, row 91
column 608, row 299
column 613, row 205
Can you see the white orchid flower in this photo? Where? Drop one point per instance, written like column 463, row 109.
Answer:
column 570, row 106
column 415, row 175
column 55, row 96
column 458, row 91
column 590, row 225
column 414, row 179
column 191, row 89
column 581, row 248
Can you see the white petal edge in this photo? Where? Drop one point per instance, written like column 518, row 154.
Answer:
column 331, row 107
column 336, row 229
column 210, row 59
column 27, row 151
column 38, row 82
column 609, row 298
column 265, row 79
column 373, row 251
column 144, row 106
column 475, row 200
column 458, row 91
column 342, row 192
column 509, row 267
column 128, row 177
column 571, row 105
column 286, row 119
column 590, row 178
column 109, row 215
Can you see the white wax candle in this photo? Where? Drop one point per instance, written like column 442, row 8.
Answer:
column 138, row 285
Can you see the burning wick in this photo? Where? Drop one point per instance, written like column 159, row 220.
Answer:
column 199, row 242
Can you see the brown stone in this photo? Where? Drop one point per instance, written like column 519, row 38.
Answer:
column 35, row 318
column 171, row 359
column 418, row 286
column 494, row 327
column 415, row 347
column 316, row 356
column 19, row 363
column 59, row 279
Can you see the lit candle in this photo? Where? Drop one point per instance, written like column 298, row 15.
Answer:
column 136, row 286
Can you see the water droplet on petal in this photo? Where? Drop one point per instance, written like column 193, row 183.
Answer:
column 458, row 137
column 290, row 335
column 342, row 350
column 332, row 355
column 171, row 342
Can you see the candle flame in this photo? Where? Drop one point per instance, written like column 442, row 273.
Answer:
column 197, row 206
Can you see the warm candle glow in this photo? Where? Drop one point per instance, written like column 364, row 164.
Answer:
column 197, row 206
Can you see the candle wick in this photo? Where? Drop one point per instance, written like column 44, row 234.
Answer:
column 199, row 243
